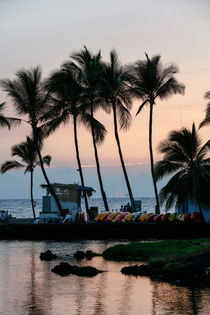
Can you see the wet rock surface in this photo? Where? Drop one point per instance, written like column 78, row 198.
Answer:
column 65, row 269
column 48, row 256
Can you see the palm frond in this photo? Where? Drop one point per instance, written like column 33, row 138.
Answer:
column 141, row 106
column 99, row 129
column 9, row 165
column 125, row 117
column 206, row 120
column 166, row 167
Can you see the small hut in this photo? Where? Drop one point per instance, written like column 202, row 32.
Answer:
column 69, row 196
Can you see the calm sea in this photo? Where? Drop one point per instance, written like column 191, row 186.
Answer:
column 21, row 208
column 27, row 285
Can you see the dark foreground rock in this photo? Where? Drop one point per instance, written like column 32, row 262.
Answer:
column 194, row 270
column 64, row 269
column 88, row 254
column 142, row 270
column 48, row 255
column 79, row 255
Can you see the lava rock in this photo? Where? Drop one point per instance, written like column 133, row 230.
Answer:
column 64, row 269
column 142, row 270
column 89, row 254
column 48, row 255
column 79, row 255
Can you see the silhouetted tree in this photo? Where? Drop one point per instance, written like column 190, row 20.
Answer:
column 187, row 158
column 27, row 152
column 117, row 98
column 31, row 101
column 88, row 70
column 67, row 103
column 153, row 81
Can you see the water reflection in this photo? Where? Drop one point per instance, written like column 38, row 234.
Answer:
column 171, row 299
column 27, row 286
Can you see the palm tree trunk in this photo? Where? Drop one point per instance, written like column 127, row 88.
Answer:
column 122, row 160
column 43, row 171
column 32, row 198
column 78, row 161
column 97, row 164
column 157, row 207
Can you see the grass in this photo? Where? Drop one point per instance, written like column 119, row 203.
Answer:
column 158, row 253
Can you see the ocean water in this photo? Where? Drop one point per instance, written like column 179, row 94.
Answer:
column 27, row 285
column 21, row 208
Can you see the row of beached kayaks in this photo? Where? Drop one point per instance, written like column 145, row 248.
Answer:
column 195, row 217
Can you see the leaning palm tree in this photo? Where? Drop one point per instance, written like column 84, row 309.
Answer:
column 206, row 120
column 26, row 151
column 189, row 160
column 152, row 81
column 66, row 104
column 31, row 102
column 88, row 70
column 114, row 90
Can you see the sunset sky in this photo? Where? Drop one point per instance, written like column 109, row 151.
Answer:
column 46, row 33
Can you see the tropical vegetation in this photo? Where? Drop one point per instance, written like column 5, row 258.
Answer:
column 153, row 81
column 84, row 84
column 188, row 161
column 27, row 152
column 88, row 70
column 114, row 89
column 31, row 102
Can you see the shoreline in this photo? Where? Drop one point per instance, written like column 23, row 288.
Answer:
column 102, row 231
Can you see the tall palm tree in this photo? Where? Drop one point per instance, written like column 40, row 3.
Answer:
column 31, row 101
column 153, row 81
column 88, row 69
column 206, row 120
column 26, row 151
column 188, row 159
column 114, row 89
column 7, row 121
column 66, row 92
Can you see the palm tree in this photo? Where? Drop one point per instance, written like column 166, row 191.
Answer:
column 26, row 151
column 187, row 158
column 31, row 101
column 206, row 120
column 7, row 121
column 88, row 70
column 152, row 81
column 66, row 92
column 114, row 89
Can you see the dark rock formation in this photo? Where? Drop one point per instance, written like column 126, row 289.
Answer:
column 142, row 270
column 48, row 255
column 88, row 254
column 79, row 255
column 64, row 269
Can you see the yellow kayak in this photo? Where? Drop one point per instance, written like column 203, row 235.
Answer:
column 102, row 216
column 129, row 217
column 143, row 217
